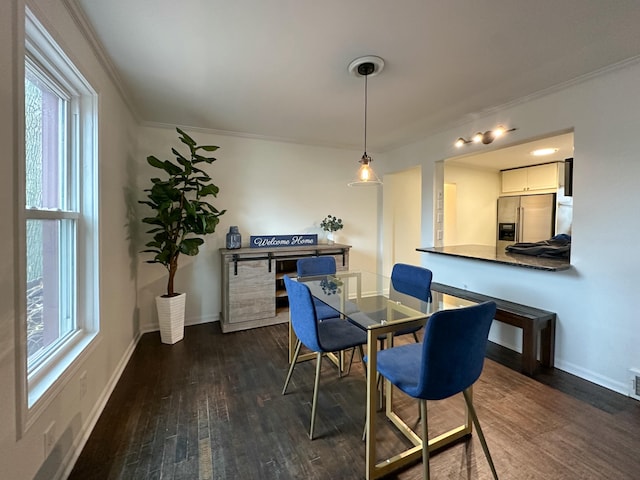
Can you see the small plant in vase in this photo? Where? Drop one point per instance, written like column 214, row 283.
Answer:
column 330, row 225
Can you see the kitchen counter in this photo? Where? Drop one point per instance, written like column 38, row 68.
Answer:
column 491, row 254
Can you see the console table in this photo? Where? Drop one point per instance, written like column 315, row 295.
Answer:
column 538, row 326
column 253, row 292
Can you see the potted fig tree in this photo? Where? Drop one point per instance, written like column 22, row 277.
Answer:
column 181, row 216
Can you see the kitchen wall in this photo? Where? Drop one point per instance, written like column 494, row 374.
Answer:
column 402, row 202
column 474, row 200
column 597, row 333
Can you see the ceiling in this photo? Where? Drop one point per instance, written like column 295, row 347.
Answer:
column 278, row 69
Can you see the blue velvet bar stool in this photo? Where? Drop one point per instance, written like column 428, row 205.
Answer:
column 329, row 335
column 316, row 266
column 319, row 266
column 448, row 361
column 413, row 281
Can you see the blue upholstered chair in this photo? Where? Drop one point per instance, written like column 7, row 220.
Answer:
column 448, row 361
column 330, row 335
column 315, row 266
column 414, row 281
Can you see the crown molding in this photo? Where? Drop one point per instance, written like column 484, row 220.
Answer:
column 86, row 29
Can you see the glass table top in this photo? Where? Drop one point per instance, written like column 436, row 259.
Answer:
column 370, row 301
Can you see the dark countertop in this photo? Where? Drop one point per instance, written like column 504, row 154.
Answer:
column 491, row 254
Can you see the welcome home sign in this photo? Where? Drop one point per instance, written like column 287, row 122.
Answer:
column 271, row 241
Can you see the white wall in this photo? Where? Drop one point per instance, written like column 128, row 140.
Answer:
column 267, row 188
column 597, row 334
column 402, row 193
column 22, row 453
column 476, row 196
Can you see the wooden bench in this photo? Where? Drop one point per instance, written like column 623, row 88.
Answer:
column 534, row 322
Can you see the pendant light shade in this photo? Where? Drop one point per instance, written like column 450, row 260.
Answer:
column 366, row 67
column 365, row 175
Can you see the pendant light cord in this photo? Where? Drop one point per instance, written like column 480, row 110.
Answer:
column 365, row 114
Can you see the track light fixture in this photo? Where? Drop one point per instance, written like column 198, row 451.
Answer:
column 486, row 137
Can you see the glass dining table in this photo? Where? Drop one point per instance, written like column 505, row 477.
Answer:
column 371, row 302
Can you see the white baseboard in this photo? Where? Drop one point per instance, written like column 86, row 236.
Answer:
column 74, row 452
column 154, row 327
column 606, row 382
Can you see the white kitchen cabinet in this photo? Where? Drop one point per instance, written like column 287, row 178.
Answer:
column 536, row 178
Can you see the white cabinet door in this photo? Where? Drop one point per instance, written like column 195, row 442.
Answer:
column 527, row 179
column 542, row 177
column 514, row 180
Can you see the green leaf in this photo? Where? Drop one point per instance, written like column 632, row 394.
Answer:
column 189, row 246
column 154, row 162
column 186, row 139
column 210, row 189
column 172, row 168
column 208, row 148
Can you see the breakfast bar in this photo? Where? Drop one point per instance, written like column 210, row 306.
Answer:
column 492, row 254
column 538, row 326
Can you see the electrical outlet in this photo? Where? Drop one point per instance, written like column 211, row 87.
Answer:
column 83, row 384
column 49, row 438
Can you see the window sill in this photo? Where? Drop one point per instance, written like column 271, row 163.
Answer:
column 53, row 380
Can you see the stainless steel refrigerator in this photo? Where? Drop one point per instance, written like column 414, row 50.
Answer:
column 525, row 218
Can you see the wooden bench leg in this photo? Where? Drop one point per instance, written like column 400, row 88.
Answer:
column 547, row 344
column 529, row 350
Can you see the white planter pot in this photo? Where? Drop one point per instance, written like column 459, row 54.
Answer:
column 171, row 317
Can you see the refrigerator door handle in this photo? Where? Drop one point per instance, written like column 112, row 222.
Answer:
column 520, row 230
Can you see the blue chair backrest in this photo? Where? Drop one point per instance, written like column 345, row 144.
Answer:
column 303, row 314
column 453, row 350
column 412, row 280
column 308, row 267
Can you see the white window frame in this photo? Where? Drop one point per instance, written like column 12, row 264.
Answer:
column 40, row 382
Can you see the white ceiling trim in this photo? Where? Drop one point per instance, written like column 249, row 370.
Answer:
column 87, row 31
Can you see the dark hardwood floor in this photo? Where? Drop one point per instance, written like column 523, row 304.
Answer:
column 210, row 407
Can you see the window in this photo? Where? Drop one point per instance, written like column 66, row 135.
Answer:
column 60, row 214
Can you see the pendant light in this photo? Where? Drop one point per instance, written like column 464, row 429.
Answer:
column 366, row 67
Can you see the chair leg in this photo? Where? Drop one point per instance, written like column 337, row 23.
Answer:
column 415, row 337
column 364, row 365
column 425, row 439
column 353, row 352
column 483, row 442
column 315, row 394
column 293, row 364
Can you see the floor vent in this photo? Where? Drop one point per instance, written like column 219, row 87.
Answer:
column 634, row 391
